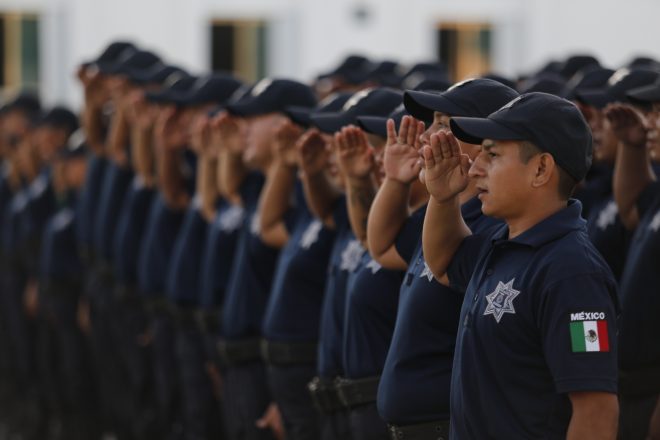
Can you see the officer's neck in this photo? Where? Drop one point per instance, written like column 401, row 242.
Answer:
column 532, row 213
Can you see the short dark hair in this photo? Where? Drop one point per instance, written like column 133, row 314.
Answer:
column 567, row 183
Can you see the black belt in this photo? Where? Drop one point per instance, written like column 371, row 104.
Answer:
column 288, row 353
column 357, row 392
column 239, row 352
column 643, row 381
column 324, row 395
column 438, row 430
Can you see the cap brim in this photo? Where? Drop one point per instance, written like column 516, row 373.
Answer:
column 475, row 130
column 250, row 106
column 422, row 105
column 332, row 122
column 300, row 115
column 646, row 94
column 598, row 98
column 373, row 124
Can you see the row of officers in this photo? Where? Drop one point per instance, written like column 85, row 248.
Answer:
column 202, row 259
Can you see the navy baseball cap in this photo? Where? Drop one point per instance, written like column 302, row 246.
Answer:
column 501, row 79
column 575, row 63
column 134, row 64
column 378, row 124
column 273, row 95
column 385, row 74
column 75, row 148
column 645, row 95
column 354, row 69
column 619, row 84
column 588, row 78
column 156, row 74
column 60, row 117
column 26, row 102
column 303, row 115
column 214, row 88
column 548, row 83
column 643, row 62
column 472, row 97
column 111, row 55
column 555, row 125
column 174, row 88
column 368, row 102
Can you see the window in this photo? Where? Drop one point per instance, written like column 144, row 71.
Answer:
column 239, row 47
column 465, row 48
column 19, row 51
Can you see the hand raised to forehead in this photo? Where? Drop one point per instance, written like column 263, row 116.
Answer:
column 312, row 152
column 140, row 112
column 168, row 131
column 402, row 149
column 286, row 136
column 227, row 133
column 445, row 167
column 627, row 124
column 354, row 154
column 200, row 140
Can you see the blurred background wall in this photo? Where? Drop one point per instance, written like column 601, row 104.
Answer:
column 42, row 41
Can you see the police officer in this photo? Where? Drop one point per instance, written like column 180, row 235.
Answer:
column 636, row 194
column 358, row 165
column 413, row 395
column 606, row 231
column 525, row 338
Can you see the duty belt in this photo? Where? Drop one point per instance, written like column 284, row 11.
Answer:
column 357, row 392
column 438, row 430
column 288, row 353
column 324, row 395
column 239, row 352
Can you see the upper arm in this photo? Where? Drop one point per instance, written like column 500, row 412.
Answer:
column 390, row 259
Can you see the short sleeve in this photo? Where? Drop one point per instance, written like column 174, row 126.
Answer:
column 578, row 325
column 465, row 261
column 408, row 237
column 648, row 198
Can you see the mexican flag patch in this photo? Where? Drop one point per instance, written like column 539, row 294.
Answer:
column 590, row 336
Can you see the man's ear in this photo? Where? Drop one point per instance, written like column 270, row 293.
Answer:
column 544, row 168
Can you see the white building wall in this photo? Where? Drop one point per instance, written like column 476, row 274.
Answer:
column 308, row 36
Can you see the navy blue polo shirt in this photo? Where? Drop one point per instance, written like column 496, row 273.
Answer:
column 41, row 205
column 182, row 284
column 162, row 229
column 60, row 260
column 218, row 253
column 639, row 288
column 414, row 386
column 371, row 304
column 88, row 203
column 113, row 191
column 6, row 192
column 538, row 322
column 252, row 271
column 13, row 217
column 131, row 230
column 345, row 257
column 294, row 305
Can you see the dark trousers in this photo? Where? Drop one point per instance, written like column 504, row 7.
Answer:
column 245, row 399
column 634, row 416
column 335, row 426
column 200, row 407
column 288, row 385
column 366, row 424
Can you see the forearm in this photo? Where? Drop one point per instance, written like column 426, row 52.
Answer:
column 170, row 179
column 387, row 215
column 206, row 187
column 595, row 418
column 632, row 174
column 360, row 195
column 276, row 195
column 118, row 139
column 92, row 122
column 143, row 157
column 232, row 174
column 321, row 196
column 444, row 230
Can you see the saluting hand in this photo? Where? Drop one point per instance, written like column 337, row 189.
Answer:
column 627, row 124
column 227, row 133
column 445, row 171
column 312, row 152
column 168, row 131
column 354, row 154
column 401, row 159
column 272, row 420
column 200, row 140
column 285, row 140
